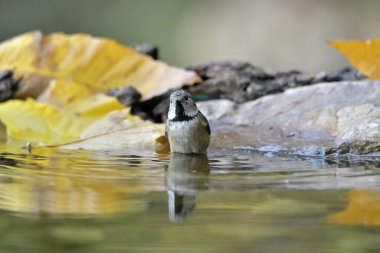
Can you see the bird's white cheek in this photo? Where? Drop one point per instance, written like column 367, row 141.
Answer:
column 171, row 113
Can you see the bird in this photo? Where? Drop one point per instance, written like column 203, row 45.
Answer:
column 187, row 129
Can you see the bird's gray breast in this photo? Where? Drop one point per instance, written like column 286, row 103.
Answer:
column 188, row 136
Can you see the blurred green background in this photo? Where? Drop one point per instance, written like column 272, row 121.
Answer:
column 278, row 35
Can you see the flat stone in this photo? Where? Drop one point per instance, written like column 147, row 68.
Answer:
column 341, row 117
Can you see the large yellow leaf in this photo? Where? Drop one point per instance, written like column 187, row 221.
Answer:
column 79, row 99
column 96, row 62
column 40, row 122
column 32, row 121
column 363, row 55
column 80, row 129
column 74, row 71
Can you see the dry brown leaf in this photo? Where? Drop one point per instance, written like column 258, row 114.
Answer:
column 162, row 145
column 135, row 138
column 119, row 130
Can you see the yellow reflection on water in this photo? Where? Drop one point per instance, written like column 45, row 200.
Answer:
column 47, row 184
column 363, row 208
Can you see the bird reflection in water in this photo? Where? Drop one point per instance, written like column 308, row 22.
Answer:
column 185, row 176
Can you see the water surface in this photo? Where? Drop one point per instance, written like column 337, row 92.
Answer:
column 230, row 201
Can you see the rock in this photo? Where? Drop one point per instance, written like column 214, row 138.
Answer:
column 154, row 109
column 359, row 129
column 339, row 117
column 241, row 81
column 343, row 74
column 8, row 85
column 126, row 95
column 147, row 49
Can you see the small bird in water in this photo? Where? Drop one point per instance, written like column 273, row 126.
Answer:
column 186, row 127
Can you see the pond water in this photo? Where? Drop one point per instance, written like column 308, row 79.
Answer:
column 231, row 201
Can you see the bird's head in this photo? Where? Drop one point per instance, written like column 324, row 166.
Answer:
column 182, row 107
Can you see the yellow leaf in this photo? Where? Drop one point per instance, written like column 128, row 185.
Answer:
column 76, row 69
column 40, row 122
column 363, row 55
column 62, row 93
column 99, row 63
column 79, row 99
column 114, row 121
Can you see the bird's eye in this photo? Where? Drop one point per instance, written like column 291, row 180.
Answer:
column 186, row 98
